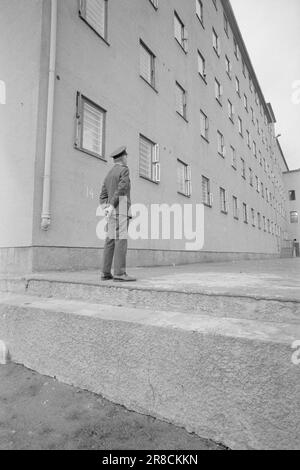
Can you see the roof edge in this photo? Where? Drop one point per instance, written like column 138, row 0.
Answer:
column 239, row 38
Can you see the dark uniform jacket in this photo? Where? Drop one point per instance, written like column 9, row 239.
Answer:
column 116, row 184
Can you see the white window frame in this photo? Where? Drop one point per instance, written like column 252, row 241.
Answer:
column 228, row 66
column 218, row 91
column 187, row 182
column 235, row 204
column 221, row 144
column 233, row 157
column 183, row 39
column 154, row 3
column 202, row 68
column 231, row 111
column 183, row 109
column 207, row 197
column 216, row 43
column 81, row 100
column 144, row 49
column 223, row 201
column 84, row 15
column 245, row 213
column 154, row 163
column 204, row 118
column 200, row 11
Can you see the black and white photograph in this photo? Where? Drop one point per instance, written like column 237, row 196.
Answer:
column 149, row 228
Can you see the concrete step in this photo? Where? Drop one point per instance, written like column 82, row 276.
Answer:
column 233, row 304
column 227, row 379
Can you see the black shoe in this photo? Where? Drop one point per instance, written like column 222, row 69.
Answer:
column 106, row 277
column 124, row 278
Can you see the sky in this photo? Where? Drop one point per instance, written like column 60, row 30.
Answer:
column 271, row 31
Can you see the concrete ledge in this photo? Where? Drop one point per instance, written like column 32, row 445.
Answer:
column 226, row 379
column 39, row 258
column 278, row 308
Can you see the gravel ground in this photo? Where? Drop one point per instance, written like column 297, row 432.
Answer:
column 37, row 412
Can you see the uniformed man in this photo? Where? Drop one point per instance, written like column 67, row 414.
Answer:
column 115, row 197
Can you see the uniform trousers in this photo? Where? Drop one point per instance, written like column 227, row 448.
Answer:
column 115, row 248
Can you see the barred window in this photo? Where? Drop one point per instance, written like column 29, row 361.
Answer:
column 184, row 178
column 149, row 166
column 147, row 64
column 90, row 127
column 94, row 12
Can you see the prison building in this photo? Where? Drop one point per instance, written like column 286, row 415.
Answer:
column 170, row 79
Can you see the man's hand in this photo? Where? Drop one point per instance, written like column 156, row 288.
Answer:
column 108, row 211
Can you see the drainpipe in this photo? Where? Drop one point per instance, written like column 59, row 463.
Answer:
column 46, row 215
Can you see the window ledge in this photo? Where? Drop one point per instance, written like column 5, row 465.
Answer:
column 203, row 78
column 184, row 118
column 230, row 119
column 224, row 212
column 207, row 205
column 88, row 152
column 155, row 7
column 149, row 179
column 217, row 53
column 149, row 84
column 205, row 138
column 93, row 29
column 200, row 21
column 236, row 218
column 183, row 194
column 219, row 102
column 181, row 46
column 221, row 154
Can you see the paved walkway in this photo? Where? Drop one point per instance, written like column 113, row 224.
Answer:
column 274, row 279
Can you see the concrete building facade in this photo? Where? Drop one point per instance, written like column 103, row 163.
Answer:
column 173, row 81
column 292, row 184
